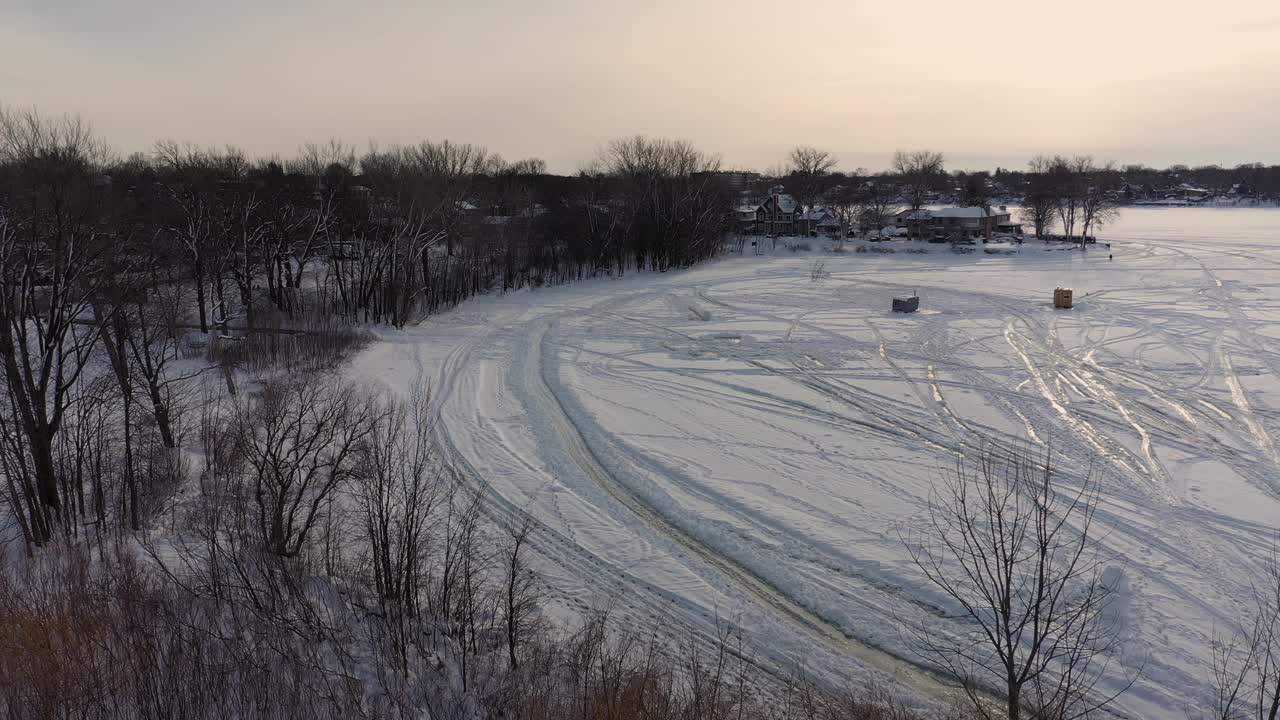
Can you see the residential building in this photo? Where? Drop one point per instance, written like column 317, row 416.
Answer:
column 957, row 223
column 821, row 222
column 744, row 219
column 778, row 214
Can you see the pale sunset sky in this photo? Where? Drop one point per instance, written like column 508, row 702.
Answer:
column 988, row 82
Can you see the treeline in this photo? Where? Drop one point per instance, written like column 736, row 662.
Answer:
column 397, row 233
column 1253, row 179
column 918, row 177
column 383, row 236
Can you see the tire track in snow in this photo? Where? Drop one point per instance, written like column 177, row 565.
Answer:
column 816, row 627
column 1247, row 415
column 641, row 597
column 1258, row 346
column 1086, row 430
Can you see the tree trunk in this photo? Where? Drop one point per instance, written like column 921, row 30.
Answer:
column 246, row 299
column 130, row 477
column 46, row 477
column 1015, row 700
column 160, row 409
column 200, row 299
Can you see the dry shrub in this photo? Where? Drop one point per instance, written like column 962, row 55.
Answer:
column 601, row 673
column 110, row 638
column 312, row 344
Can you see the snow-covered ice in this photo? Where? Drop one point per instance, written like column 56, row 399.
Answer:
column 740, row 442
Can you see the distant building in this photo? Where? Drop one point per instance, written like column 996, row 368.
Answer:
column 733, row 180
column 739, row 180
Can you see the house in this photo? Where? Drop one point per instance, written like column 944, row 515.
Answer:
column 778, row 214
column 781, row 214
column 1193, row 193
column 957, row 223
column 821, row 222
column 744, row 219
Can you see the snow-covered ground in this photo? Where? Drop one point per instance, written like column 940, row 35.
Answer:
column 744, row 443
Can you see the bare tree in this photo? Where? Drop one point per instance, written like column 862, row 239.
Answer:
column 1068, row 178
column 1016, row 555
column 446, row 173
column 400, row 484
column 806, row 167
column 522, row 597
column 310, row 222
column 297, row 446
column 188, row 215
column 1040, row 204
column 113, row 328
column 919, row 170
column 55, row 230
column 152, row 333
column 244, row 227
column 1098, row 205
column 527, row 166
column 810, row 161
column 877, row 204
column 464, row 566
column 1246, row 664
column 671, row 207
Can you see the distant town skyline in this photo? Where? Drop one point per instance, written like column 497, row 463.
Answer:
column 989, row 84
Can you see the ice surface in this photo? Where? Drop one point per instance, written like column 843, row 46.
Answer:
column 742, row 442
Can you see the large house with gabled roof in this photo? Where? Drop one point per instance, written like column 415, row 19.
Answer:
column 778, row 214
column 781, row 214
column 958, row 223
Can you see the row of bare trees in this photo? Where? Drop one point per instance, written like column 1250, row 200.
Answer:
column 407, row 230
column 1075, row 194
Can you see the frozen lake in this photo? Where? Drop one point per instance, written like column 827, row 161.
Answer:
column 743, row 442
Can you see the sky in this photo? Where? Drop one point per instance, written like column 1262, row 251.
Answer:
column 987, row 82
